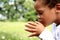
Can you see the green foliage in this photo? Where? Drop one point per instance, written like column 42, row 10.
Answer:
column 10, row 10
column 21, row 1
column 4, row 0
column 20, row 8
column 30, row 16
column 29, row 5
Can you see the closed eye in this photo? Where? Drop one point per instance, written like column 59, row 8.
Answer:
column 40, row 12
column 34, row 0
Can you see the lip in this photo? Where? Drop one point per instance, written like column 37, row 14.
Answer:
column 40, row 20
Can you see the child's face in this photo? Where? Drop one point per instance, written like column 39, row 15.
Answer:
column 45, row 15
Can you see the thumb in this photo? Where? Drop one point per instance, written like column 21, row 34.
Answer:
column 31, row 35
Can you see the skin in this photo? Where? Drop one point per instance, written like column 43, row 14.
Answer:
column 58, row 14
column 45, row 16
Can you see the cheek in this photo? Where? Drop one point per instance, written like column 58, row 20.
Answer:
column 48, row 17
column 47, row 20
column 51, row 18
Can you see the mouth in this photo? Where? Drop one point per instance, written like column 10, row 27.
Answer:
column 39, row 20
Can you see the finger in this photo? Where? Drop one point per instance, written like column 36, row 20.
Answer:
column 37, row 22
column 31, row 35
column 30, row 26
column 32, row 23
column 30, row 30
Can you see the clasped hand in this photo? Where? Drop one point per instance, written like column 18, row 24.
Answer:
column 35, row 28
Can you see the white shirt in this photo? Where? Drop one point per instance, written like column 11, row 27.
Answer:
column 48, row 35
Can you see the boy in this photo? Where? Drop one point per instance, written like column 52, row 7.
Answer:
column 48, row 11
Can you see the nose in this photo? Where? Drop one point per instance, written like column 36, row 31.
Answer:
column 39, row 17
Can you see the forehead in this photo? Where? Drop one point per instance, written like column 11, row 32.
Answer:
column 41, row 2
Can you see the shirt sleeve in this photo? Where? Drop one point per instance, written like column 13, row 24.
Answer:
column 46, row 35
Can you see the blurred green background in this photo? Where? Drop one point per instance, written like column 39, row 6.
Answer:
column 14, row 31
column 14, row 14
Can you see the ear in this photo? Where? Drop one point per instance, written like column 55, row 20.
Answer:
column 58, row 8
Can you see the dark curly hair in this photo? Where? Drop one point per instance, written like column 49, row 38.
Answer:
column 50, row 3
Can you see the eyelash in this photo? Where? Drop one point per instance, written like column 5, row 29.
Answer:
column 40, row 12
column 34, row 0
